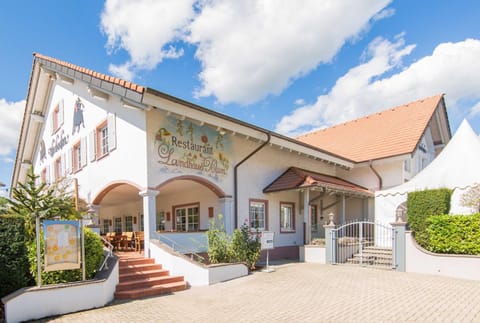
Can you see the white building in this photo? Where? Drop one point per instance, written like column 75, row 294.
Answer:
column 148, row 161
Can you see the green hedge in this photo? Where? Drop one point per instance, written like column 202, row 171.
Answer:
column 93, row 256
column 14, row 272
column 455, row 234
column 421, row 205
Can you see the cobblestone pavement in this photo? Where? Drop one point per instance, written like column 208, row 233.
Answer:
column 301, row 292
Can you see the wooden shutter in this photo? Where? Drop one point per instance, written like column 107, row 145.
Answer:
column 60, row 113
column 112, row 132
column 83, row 152
column 92, row 145
column 69, row 161
column 63, row 164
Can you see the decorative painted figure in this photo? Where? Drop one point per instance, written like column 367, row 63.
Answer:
column 78, row 116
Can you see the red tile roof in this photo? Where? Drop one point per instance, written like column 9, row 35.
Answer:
column 296, row 178
column 385, row 134
column 108, row 78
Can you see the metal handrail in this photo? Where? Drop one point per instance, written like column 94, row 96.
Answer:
column 179, row 247
column 109, row 254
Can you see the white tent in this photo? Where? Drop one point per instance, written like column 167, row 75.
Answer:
column 457, row 167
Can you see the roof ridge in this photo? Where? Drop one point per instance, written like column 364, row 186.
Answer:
column 105, row 77
column 370, row 115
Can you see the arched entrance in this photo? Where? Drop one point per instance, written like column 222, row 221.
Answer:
column 119, row 208
column 187, row 204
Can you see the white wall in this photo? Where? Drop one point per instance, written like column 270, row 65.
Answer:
column 130, row 140
column 195, row 274
column 421, row 261
column 34, row 303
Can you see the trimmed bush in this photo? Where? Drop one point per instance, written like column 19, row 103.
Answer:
column 454, row 234
column 93, row 256
column 13, row 255
column 423, row 204
column 243, row 246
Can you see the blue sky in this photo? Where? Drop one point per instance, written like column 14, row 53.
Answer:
column 288, row 66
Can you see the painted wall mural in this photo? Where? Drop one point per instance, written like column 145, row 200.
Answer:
column 185, row 146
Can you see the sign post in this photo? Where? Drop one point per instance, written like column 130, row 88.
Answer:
column 267, row 244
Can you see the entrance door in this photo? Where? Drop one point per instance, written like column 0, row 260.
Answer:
column 187, row 218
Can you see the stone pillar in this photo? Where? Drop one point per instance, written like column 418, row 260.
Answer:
column 306, row 216
column 227, row 212
column 399, row 260
column 149, row 217
column 329, row 241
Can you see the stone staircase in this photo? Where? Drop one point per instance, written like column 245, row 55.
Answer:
column 373, row 257
column 141, row 277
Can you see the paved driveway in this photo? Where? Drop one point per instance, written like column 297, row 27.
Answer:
column 300, row 292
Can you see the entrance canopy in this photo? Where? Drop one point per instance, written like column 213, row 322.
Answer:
column 296, row 178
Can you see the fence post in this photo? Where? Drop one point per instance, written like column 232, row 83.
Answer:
column 399, row 228
column 329, row 242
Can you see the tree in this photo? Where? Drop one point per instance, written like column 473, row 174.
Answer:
column 3, row 205
column 471, row 198
column 30, row 201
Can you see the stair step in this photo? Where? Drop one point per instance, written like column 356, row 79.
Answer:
column 138, row 268
column 152, row 290
column 136, row 261
column 143, row 274
column 148, row 282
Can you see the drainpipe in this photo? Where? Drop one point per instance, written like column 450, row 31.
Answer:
column 235, row 177
column 380, row 181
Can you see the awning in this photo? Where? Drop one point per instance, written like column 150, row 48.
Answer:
column 296, row 178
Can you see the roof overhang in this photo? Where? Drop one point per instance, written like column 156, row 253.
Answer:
column 187, row 110
column 299, row 179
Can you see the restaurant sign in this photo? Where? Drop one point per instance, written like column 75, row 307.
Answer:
column 183, row 145
column 62, row 245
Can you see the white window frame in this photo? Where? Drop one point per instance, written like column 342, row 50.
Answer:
column 188, row 225
column 258, row 215
column 287, row 217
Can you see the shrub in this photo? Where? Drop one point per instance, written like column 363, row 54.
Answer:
column 455, row 234
column 241, row 247
column 219, row 245
column 423, row 204
column 13, row 255
column 245, row 246
column 93, row 257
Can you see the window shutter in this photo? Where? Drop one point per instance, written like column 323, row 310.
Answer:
column 83, row 151
column 68, row 161
column 60, row 113
column 111, row 124
column 63, row 165
column 92, row 145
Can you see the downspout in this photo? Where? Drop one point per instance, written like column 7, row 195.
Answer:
column 380, row 181
column 235, row 177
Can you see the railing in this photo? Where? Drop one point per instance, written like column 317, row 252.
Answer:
column 109, row 253
column 363, row 243
column 179, row 248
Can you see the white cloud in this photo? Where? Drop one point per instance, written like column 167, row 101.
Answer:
column 299, row 102
column 146, row 30
column 249, row 49
column 386, row 13
column 475, row 110
column 11, row 114
column 452, row 69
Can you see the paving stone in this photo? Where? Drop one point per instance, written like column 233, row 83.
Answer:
column 301, row 292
